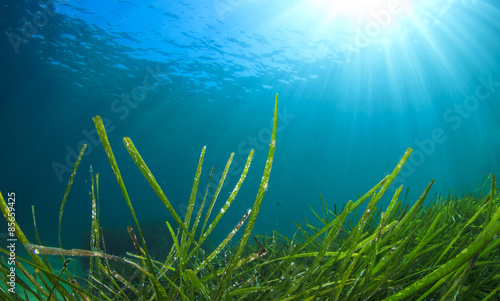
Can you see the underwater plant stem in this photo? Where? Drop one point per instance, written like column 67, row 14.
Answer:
column 160, row 292
column 224, row 242
column 112, row 161
column 189, row 212
column 465, row 255
column 68, row 188
column 232, row 196
column 34, row 249
column 65, row 265
column 214, row 198
column 492, row 198
column 233, row 262
column 45, row 259
column 139, row 161
column 17, row 230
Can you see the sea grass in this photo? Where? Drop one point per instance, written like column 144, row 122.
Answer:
column 447, row 249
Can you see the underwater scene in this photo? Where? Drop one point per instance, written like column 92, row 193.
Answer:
column 250, row 150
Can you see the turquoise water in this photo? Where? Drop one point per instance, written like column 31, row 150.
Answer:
column 357, row 87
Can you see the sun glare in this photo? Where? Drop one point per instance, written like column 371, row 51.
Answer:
column 363, row 11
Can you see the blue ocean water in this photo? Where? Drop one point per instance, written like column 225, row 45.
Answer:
column 357, row 86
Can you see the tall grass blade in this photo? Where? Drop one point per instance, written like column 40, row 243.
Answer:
column 112, row 161
column 216, row 195
column 228, row 202
column 68, row 188
column 255, row 209
column 187, row 220
column 486, row 237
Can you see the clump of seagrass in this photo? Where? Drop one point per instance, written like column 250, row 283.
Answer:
column 447, row 250
column 182, row 268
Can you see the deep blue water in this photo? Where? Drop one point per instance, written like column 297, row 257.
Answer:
column 355, row 92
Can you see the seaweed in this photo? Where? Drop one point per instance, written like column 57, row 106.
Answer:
column 445, row 250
